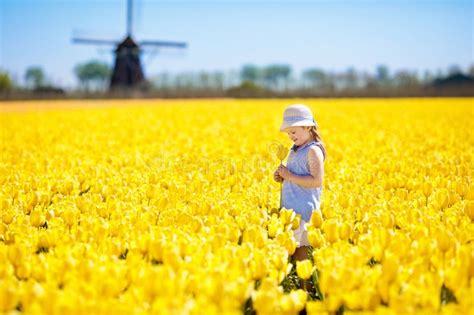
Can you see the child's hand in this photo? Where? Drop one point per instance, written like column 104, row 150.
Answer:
column 283, row 171
column 277, row 177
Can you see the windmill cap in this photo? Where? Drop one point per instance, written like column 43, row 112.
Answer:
column 297, row 115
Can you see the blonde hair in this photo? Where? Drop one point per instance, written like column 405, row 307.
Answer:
column 317, row 137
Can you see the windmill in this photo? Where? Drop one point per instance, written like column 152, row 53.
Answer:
column 128, row 70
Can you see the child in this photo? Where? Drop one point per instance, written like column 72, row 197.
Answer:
column 303, row 176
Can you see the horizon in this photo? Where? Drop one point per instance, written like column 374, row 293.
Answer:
column 333, row 36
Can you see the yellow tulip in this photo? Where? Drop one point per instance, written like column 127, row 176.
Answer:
column 390, row 268
column 9, row 237
column 150, row 191
column 293, row 302
column 315, row 238
column 462, row 189
column 69, row 217
column 330, row 229
column 443, row 239
column 295, row 223
column 256, row 235
column 299, row 298
column 442, row 199
column 49, row 214
column 304, row 269
column 388, row 220
column 45, row 240
column 383, row 288
column 258, row 267
column 280, row 260
column 200, row 215
column 287, row 216
column 277, row 275
column 9, row 298
column 68, row 186
column 23, row 270
column 344, row 231
column 274, row 226
column 36, row 218
column 370, row 299
column 16, row 254
column 155, row 250
column 288, row 241
column 427, row 189
column 33, row 199
column 264, row 301
column 315, row 307
column 281, row 152
column 7, row 217
column 470, row 264
column 316, row 218
column 469, row 209
column 287, row 305
column 344, row 201
column 333, row 302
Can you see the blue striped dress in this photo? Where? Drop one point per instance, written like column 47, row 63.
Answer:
column 301, row 199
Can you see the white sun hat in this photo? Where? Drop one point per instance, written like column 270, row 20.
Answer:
column 297, row 115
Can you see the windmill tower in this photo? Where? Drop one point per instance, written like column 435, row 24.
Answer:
column 128, row 70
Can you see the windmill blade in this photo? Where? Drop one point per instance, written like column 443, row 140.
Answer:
column 105, row 51
column 163, row 43
column 79, row 40
column 149, row 55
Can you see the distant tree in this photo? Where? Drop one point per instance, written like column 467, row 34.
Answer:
column 165, row 80
column 248, row 89
column 369, row 81
column 250, row 73
column 192, row 80
column 187, row 80
column 454, row 69
column 350, row 79
column 276, row 75
column 471, row 71
column 330, row 82
column 231, row 78
column 6, row 83
column 93, row 74
column 315, row 78
column 203, row 79
column 178, row 80
column 406, row 79
column 35, row 77
column 428, row 77
column 217, row 80
column 161, row 81
column 382, row 76
column 319, row 79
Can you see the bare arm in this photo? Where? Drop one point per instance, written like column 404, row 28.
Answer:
column 316, row 168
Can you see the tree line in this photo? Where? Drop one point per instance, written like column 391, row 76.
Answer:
column 249, row 81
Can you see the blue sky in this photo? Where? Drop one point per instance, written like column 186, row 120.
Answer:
column 224, row 35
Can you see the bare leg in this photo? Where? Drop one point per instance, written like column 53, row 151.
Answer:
column 301, row 253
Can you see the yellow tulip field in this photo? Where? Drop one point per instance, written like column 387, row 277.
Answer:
column 170, row 207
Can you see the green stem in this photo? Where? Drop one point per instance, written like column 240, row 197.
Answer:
column 281, row 192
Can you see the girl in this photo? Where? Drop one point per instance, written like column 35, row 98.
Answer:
column 303, row 176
